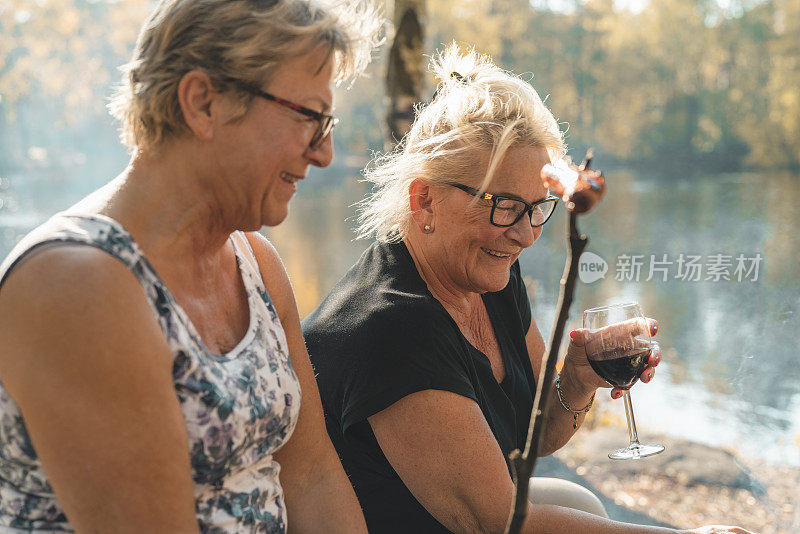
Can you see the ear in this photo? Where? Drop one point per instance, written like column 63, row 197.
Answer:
column 421, row 203
column 196, row 93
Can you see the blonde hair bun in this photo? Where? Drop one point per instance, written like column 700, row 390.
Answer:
column 478, row 112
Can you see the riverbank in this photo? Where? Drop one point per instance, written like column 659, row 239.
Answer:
column 688, row 485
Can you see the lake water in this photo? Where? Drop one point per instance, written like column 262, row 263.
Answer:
column 716, row 259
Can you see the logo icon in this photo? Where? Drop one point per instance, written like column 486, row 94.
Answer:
column 591, row 268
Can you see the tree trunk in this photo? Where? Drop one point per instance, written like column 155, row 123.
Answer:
column 404, row 76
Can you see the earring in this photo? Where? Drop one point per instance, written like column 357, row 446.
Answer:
column 427, row 229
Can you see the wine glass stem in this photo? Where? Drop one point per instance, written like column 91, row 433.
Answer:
column 629, row 414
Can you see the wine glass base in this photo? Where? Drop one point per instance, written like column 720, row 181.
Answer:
column 634, row 451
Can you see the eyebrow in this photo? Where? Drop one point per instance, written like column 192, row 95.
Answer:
column 515, row 197
column 326, row 107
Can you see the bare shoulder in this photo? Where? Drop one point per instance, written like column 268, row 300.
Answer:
column 63, row 261
column 87, row 303
column 85, row 360
column 273, row 272
column 264, row 250
column 70, row 278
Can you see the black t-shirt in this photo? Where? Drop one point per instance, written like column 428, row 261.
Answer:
column 380, row 335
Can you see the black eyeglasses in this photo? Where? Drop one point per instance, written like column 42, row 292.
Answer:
column 507, row 211
column 325, row 122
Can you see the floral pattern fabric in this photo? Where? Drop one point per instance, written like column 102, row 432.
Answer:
column 240, row 407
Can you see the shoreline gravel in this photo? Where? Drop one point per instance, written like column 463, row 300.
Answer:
column 688, row 485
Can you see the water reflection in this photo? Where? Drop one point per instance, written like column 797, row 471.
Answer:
column 729, row 375
column 727, row 343
column 316, row 241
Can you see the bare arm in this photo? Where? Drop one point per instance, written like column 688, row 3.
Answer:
column 578, row 384
column 88, row 365
column 444, row 451
column 319, row 496
column 559, row 423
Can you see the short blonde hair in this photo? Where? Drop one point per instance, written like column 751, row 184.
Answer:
column 231, row 39
column 479, row 111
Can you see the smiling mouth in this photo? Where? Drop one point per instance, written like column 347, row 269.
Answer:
column 496, row 253
column 291, row 178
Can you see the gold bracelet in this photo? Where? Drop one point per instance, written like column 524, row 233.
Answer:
column 575, row 413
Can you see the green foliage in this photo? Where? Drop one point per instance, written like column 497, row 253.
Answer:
column 682, row 81
column 64, row 49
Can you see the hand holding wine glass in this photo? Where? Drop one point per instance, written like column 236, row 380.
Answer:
column 585, row 374
column 618, row 348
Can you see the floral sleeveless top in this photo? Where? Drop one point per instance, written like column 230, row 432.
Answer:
column 240, row 407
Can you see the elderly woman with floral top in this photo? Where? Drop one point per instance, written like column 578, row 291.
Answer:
column 152, row 362
column 426, row 352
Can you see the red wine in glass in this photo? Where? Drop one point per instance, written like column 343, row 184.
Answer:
column 618, row 347
column 620, row 367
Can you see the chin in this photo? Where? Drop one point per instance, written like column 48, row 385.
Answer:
column 494, row 284
column 274, row 217
column 498, row 287
column 501, row 282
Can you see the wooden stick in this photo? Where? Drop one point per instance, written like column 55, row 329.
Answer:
column 522, row 464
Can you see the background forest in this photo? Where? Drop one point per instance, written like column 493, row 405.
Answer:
column 675, row 83
column 693, row 108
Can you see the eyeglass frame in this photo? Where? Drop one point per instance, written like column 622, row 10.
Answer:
column 496, row 198
column 325, row 121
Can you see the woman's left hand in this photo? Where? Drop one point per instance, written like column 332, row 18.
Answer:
column 582, row 372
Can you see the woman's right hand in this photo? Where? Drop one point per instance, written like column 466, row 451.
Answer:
column 578, row 358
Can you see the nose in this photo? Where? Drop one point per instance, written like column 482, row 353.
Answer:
column 322, row 156
column 522, row 233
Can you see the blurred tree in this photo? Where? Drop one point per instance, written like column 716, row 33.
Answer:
column 675, row 40
column 746, row 74
column 44, row 44
column 784, row 82
column 57, row 61
column 697, row 82
column 404, row 74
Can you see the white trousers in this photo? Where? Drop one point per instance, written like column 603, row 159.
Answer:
column 543, row 490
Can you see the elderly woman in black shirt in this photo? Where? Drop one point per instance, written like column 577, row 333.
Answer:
column 426, row 352
column 154, row 375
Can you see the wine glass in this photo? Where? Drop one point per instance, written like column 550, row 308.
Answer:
column 618, row 347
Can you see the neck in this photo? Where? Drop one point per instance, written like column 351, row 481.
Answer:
column 171, row 201
column 459, row 303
